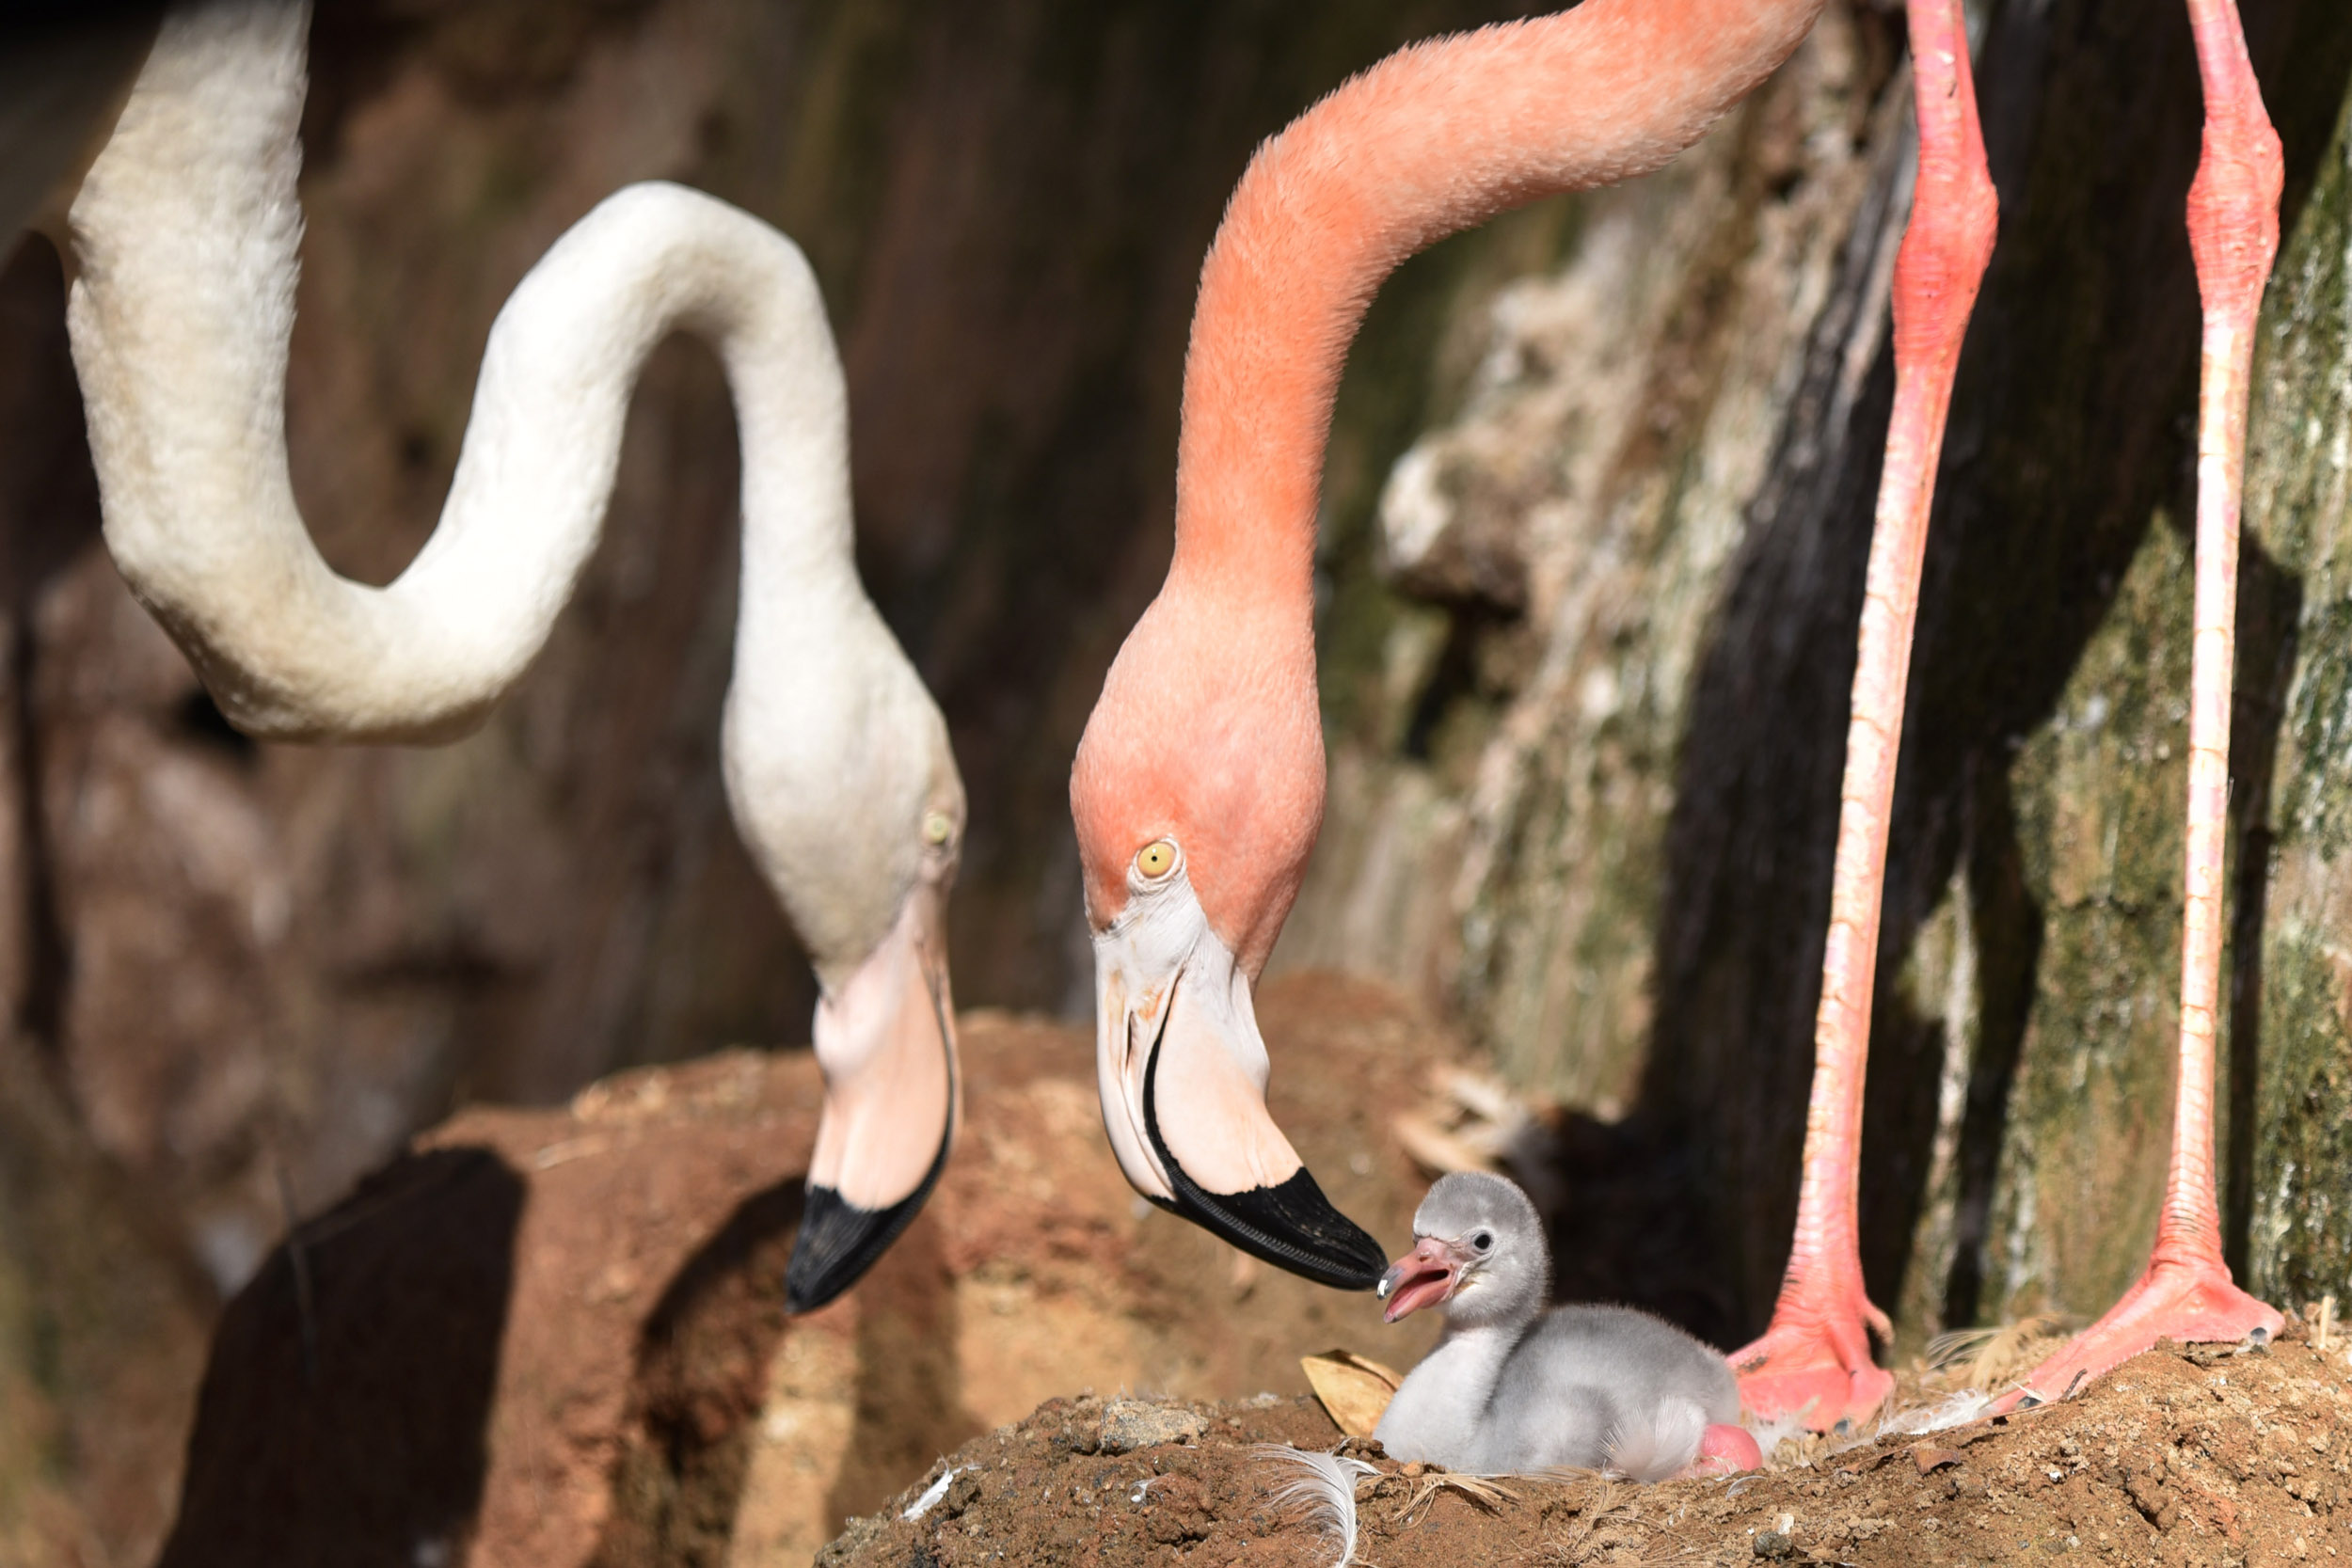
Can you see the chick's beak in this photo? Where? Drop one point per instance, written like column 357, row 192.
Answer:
column 1426, row 1276
column 886, row 1040
column 1182, row 1071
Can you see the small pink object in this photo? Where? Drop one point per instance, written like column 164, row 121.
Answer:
column 1725, row 1451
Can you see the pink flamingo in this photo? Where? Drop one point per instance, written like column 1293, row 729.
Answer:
column 1197, row 789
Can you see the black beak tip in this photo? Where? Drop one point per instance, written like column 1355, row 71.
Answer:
column 837, row 1243
column 1290, row 1224
column 1293, row 1226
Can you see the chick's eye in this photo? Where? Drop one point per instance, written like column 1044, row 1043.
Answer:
column 1483, row 1242
column 1155, row 859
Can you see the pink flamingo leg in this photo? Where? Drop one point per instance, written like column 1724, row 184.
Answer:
column 2233, row 230
column 1815, row 1357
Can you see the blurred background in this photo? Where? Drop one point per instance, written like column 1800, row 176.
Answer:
column 1596, row 513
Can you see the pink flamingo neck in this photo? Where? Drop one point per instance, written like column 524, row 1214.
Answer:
column 1434, row 139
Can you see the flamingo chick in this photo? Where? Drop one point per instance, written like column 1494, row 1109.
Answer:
column 1512, row 1388
column 184, row 239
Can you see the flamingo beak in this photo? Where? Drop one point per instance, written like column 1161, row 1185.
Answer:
column 1183, row 1072
column 1426, row 1276
column 886, row 1040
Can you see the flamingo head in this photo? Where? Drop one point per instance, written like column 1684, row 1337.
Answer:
column 1197, row 794
column 851, row 804
column 1479, row 1253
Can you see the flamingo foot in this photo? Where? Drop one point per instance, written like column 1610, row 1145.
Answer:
column 2188, row 1301
column 1814, row 1362
column 1723, row 1451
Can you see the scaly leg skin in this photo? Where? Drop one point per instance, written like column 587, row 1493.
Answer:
column 2234, row 230
column 1815, row 1359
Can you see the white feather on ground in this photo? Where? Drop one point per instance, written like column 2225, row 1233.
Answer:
column 1952, row 1411
column 1770, row 1431
column 1955, row 1409
column 931, row 1494
column 1322, row 1491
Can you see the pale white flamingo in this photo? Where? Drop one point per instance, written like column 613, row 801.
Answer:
column 184, row 235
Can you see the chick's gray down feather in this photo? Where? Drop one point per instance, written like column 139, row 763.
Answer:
column 1512, row 1387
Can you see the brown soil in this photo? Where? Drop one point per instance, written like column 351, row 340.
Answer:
column 556, row 1338
column 2203, row 1457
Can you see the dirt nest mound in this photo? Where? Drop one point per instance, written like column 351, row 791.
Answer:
column 557, row 1337
column 2181, row 1457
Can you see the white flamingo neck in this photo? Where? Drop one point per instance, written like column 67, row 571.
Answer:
column 186, row 230
column 186, row 233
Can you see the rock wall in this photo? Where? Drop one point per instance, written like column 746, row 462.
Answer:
column 2290, row 1126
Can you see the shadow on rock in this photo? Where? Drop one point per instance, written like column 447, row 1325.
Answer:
column 343, row 1418
column 701, row 1377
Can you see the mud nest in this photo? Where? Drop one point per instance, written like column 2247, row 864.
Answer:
column 2189, row 1456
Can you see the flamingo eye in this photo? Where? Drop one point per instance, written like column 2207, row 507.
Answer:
column 1483, row 1242
column 937, row 828
column 1155, row 859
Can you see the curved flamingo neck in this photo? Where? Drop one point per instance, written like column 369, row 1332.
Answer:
column 1434, row 139
column 187, row 229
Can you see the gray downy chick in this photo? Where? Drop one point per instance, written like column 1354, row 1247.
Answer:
column 1512, row 1387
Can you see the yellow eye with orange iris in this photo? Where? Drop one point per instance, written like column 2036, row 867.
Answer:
column 1156, row 859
